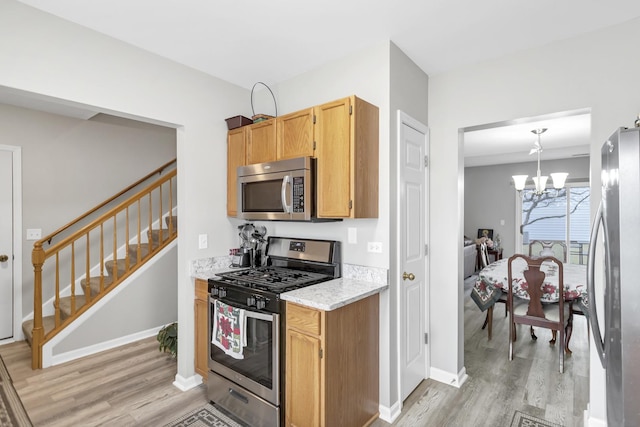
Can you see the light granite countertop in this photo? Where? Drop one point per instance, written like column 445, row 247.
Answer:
column 333, row 294
column 356, row 283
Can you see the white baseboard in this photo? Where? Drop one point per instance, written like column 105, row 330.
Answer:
column 590, row 421
column 9, row 341
column 96, row 348
column 389, row 414
column 185, row 384
column 444, row 377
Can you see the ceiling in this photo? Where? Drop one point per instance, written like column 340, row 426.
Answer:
column 568, row 134
column 246, row 41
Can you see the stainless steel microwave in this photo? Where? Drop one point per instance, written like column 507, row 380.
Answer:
column 282, row 190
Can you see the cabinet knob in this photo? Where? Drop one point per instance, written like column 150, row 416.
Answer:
column 409, row 276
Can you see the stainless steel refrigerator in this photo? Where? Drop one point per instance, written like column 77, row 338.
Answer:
column 617, row 331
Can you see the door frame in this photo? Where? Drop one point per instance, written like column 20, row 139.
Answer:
column 404, row 118
column 16, row 201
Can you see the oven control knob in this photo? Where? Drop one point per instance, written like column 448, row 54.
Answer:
column 214, row 291
column 251, row 301
column 222, row 292
column 260, row 304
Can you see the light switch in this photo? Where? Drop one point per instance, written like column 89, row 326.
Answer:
column 502, row 222
column 202, row 241
column 352, row 235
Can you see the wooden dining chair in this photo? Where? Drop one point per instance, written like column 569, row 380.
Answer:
column 535, row 313
column 547, row 248
column 488, row 320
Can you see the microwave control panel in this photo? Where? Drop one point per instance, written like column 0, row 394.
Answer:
column 298, row 194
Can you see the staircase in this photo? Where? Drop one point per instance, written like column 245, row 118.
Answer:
column 107, row 244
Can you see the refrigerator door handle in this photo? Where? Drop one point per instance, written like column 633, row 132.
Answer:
column 591, row 291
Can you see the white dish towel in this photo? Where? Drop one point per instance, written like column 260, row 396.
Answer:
column 229, row 329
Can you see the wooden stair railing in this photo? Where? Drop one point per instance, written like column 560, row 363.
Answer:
column 111, row 246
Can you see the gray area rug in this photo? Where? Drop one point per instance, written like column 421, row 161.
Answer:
column 207, row 416
column 12, row 412
column 520, row 419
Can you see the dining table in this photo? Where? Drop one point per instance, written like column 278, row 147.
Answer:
column 491, row 285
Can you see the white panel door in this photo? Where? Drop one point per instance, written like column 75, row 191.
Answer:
column 6, row 244
column 413, row 146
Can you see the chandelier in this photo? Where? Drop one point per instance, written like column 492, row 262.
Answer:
column 539, row 181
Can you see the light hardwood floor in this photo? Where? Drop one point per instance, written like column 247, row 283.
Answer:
column 127, row 386
column 132, row 385
column 496, row 387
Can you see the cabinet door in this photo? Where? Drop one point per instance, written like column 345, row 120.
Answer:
column 236, row 156
column 201, row 319
column 201, row 327
column 303, row 380
column 333, row 129
column 295, row 134
column 261, row 142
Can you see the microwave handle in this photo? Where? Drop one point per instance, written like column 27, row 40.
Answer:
column 283, row 193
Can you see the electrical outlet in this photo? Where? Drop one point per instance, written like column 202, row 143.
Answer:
column 34, row 233
column 202, row 241
column 375, row 247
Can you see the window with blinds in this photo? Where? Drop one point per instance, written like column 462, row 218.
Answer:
column 558, row 215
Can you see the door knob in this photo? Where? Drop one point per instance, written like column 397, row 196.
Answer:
column 409, row 276
column 4, row 258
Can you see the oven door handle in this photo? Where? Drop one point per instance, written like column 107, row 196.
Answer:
column 248, row 311
column 257, row 315
column 286, row 181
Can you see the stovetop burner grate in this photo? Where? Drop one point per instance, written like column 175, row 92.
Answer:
column 274, row 278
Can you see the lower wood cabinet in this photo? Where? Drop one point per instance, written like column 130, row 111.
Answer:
column 332, row 373
column 201, row 328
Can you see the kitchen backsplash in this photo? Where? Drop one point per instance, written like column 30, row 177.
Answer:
column 366, row 274
column 349, row 271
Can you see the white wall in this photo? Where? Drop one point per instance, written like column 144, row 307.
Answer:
column 408, row 89
column 366, row 75
column 48, row 57
column 598, row 71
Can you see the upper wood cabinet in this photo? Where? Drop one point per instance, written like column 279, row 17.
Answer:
column 347, row 151
column 236, row 156
column 295, row 134
column 261, row 142
column 342, row 135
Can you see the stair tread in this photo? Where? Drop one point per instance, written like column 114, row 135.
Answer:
column 94, row 284
column 121, row 265
column 48, row 323
column 133, row 252
column 65, row 305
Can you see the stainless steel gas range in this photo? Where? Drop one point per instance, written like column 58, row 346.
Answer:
column 247, row 324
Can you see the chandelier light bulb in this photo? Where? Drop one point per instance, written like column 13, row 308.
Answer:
column 540, row 183
column 539, row 180
column 559, row 179
column 520, row 181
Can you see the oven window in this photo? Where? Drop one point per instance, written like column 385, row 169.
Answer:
column 257, row 364
column 262, row 196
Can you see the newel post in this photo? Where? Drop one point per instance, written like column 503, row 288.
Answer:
column 37, row 258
